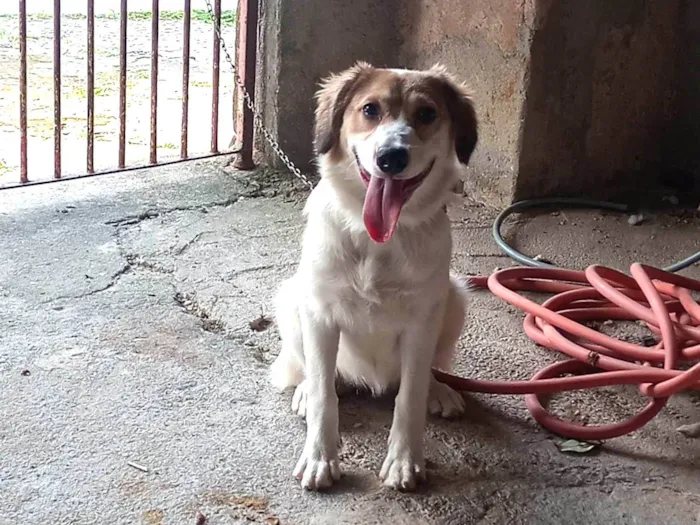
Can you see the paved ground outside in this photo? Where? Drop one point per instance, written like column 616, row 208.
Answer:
column 135, row 392
column 74, row 85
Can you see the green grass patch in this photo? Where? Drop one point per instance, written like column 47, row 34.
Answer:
column 40, row 127
column 140, row 74
column 80, row 92
column 4, row 168
column 228, row 17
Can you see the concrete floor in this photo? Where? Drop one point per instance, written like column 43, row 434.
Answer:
column 125, row 310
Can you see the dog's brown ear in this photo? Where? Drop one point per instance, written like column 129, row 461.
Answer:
column 332, row 100
column 462, row 114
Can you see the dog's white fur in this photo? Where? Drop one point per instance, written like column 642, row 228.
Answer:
column 376, row 315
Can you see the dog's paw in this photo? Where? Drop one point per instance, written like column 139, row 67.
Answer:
column 315, row 472
column 402, row 470
column 445, row 401
column 285, row 372
column 299, row 400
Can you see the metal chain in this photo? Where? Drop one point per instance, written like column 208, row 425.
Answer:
column 257, row 119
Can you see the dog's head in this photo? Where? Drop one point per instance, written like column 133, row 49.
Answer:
column 392, row 138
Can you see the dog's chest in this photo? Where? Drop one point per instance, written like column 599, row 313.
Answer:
column 361, row 276
column 372, row 277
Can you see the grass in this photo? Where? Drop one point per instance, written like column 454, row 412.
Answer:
column 40, row 127
column 228, row 17
column 106, row 85
column 141, row 74
column 4, row 168
column 80, row 92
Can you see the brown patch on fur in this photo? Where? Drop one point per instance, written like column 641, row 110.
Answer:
column 342, row 97
column 332, row 100
column 382, row 89
column 461, row 110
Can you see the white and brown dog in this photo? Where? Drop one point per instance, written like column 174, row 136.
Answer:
column 372, row 302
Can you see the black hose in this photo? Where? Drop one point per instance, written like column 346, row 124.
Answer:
column 563, row 203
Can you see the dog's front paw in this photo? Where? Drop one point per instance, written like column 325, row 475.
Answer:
column 402, row 469
column 445, row 401
column 316, row 472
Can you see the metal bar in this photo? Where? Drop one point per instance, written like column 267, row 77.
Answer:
column 57, row 87
column 90, row 86
column 216, row 62
column 155, row 15
column 122, row 82
column 185, row 78
column 116, row 171
column 23, row 177
column 247, row 44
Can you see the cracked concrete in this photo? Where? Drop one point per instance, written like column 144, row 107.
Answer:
column 126, row 311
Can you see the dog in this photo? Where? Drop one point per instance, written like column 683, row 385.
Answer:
column 373, row 303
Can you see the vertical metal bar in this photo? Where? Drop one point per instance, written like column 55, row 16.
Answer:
column 57, row 87
column 90, row 86
column 155, row 15
column 122, row 82
column 23, row 177
column 216, row 62
column 247, row 44
column 185, row 78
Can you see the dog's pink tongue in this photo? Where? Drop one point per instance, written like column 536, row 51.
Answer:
column 383, row 203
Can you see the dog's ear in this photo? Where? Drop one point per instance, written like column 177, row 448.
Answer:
column 462, row 114
column 332, row 100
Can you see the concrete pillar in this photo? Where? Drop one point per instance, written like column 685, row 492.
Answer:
column 303, row 41
column 486, row 43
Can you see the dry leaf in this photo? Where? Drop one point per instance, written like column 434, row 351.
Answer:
column 260, row 324
column 691, row 431
column 577, row 447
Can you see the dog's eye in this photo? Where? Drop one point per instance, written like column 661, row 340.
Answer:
column 371, row 111
column 426, row 115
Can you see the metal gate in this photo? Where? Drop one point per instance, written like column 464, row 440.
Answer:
column 97, row 66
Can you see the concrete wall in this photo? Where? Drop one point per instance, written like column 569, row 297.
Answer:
column 601, row 97
column 682, row 147
column 573, row 97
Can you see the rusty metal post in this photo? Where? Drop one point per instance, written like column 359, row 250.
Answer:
column 123, row 17
column 247, row 44
column 90, row 86
column 185, row 78
column 23, row 176
column 155, row 15
column 215, row 74
column 57, row 88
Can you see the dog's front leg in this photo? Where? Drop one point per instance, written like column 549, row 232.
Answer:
column 404, row 465
column 318, row 466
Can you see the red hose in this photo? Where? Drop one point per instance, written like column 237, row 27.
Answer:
column 660, row 299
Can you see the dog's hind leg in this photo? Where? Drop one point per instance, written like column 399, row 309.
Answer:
column 452, row 325
column 443, row 400
column 288, row 369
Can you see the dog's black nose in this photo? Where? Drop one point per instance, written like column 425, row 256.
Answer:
column 392, row 160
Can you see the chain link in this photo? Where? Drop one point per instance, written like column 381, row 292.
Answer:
column 257, row 119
